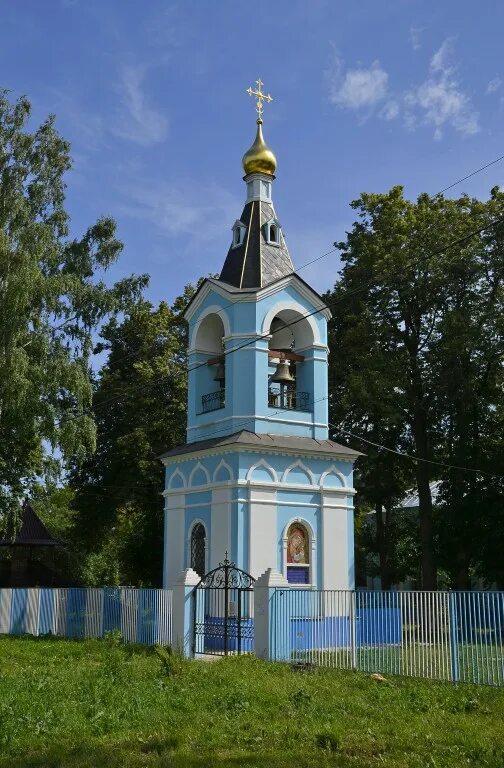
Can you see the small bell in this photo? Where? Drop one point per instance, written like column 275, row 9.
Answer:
column 220, row 374
column 282, row 374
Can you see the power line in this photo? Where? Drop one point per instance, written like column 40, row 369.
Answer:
column 469, row 175
column 357, row 289
column 327, row 253
column 414, row 458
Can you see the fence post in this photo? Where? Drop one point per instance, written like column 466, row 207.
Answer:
column 452, row 603
column 182, row 618
column 271, row 627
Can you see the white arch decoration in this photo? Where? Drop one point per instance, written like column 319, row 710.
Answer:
column 264, row 464
column 295, row 307
column 222, row 465
column 333, row 470
column 301, row 466
column 181, row 475
column 214, row 309
column 196, row 521
column 195, row 469
column 313, row 549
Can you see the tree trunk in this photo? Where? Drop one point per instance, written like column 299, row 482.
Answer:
column 382, row 545
column 428, row 564
column 462, row 578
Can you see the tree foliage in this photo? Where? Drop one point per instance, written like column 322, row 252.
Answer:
column 50, row 304
column 140, row 410
column 416, row 365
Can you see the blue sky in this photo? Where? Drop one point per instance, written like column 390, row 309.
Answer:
column 152, row 97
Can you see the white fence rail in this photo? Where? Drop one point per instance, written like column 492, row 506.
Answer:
column 457, row 636
column 140, row 615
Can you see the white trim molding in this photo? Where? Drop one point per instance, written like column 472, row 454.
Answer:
column 293, row 306
column 205, row 471
column 222, row 465
column 264, row 464
column 299, row 464
column 333, row 470
column 170, row 482
column 214, row 309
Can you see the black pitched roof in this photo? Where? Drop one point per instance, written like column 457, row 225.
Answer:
column 255, row 263
column 32, row 532
column 265, row 441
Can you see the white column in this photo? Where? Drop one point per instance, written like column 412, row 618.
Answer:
column 174, row 544
column 263, row 535
column 337, row 541
column 182, row 611
column 220, row 532
column 271, row 638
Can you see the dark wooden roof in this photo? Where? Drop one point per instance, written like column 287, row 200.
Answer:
column 264, row 441
column 255, row 263
column 32, row 532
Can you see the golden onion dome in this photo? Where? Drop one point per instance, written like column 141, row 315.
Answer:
column 259, row 158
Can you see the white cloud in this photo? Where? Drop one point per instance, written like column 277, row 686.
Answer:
column 439, row 101
column 415, row 33
column 440, row 61
column 390, row 110
column 356, row 88
column 180, row 210
column 494, row 85
column 138, row 121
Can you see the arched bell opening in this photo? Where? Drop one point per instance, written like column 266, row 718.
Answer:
column 289, row 387
column 211, row 378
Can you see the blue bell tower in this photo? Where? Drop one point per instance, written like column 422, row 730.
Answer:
column 259, row 477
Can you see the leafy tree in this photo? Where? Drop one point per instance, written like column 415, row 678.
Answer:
column 408, row 374
column 363, row 400
column 50, row 304
column 140, row 406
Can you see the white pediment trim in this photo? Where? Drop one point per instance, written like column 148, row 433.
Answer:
column 222, row 465
column 333, row 470
column 214, row 309
column 199, row 466
column 301, row 466
column 264, row 464
column 179, row 474
column 295, row 307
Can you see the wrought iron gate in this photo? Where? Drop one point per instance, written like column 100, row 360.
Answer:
column 223, row 619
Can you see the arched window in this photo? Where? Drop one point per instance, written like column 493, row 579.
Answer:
column 298, row 554
column 198, row 546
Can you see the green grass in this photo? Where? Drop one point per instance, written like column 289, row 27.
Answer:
column 66, row 704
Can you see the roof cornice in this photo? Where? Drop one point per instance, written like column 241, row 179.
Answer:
column 238, row 295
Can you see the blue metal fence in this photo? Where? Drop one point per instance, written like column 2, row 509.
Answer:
column 454, row 636
column 140, row 615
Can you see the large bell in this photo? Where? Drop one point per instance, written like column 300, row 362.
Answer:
column 282, row 374
column 220, row 374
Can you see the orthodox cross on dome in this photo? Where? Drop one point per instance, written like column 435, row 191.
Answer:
column 260, row 97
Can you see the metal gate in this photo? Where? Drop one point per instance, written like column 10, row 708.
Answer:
column 223, row 621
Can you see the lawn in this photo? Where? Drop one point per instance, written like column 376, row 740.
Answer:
column 86, row 704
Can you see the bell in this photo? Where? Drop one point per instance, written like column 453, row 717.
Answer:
column 220, row 374
column 282, row 374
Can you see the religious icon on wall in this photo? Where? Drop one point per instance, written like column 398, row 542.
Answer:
column 296, row 545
